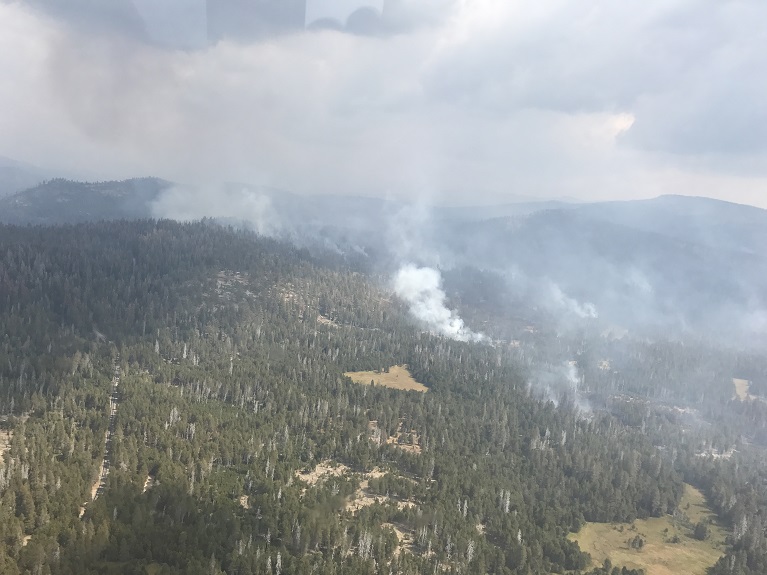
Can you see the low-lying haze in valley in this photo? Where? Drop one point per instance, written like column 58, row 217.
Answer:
column 669, row 267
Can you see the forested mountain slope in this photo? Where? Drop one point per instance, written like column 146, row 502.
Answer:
column 232, row 350
column 60, row 201
column 673, row 264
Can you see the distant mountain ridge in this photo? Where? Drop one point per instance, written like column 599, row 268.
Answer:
column 634, row 272
column 17, row 176
column 675, row 263
column 701, row 220
column 61, row 201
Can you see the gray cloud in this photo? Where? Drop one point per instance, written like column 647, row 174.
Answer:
column 339, row 10
column 93, row 16
column 470, row 101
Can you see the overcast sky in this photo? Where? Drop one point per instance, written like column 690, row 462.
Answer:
column 459, row 101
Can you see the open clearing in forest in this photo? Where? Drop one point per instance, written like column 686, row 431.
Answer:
column 5, row 442
column 321, row 471
column 398, row 377
column 409, row 441
column 362, row 497
column 658, row 555
column 404, row 538
column 741, row 388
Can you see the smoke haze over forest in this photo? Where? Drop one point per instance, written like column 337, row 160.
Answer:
column 383, row 286
column 351, row 124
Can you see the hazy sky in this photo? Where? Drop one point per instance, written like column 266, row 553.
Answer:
column 456, row 100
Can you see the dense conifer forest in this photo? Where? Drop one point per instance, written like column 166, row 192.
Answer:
column 204, row 367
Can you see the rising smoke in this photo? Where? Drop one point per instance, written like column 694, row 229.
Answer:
column 561, row 381
column 560, row 301
column 421, row 288
column 237, row 204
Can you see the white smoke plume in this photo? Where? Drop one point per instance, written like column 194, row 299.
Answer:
column 240, row 204
column 575, row 382
column 560, row 300
column 562, row 381
column 421, row 288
